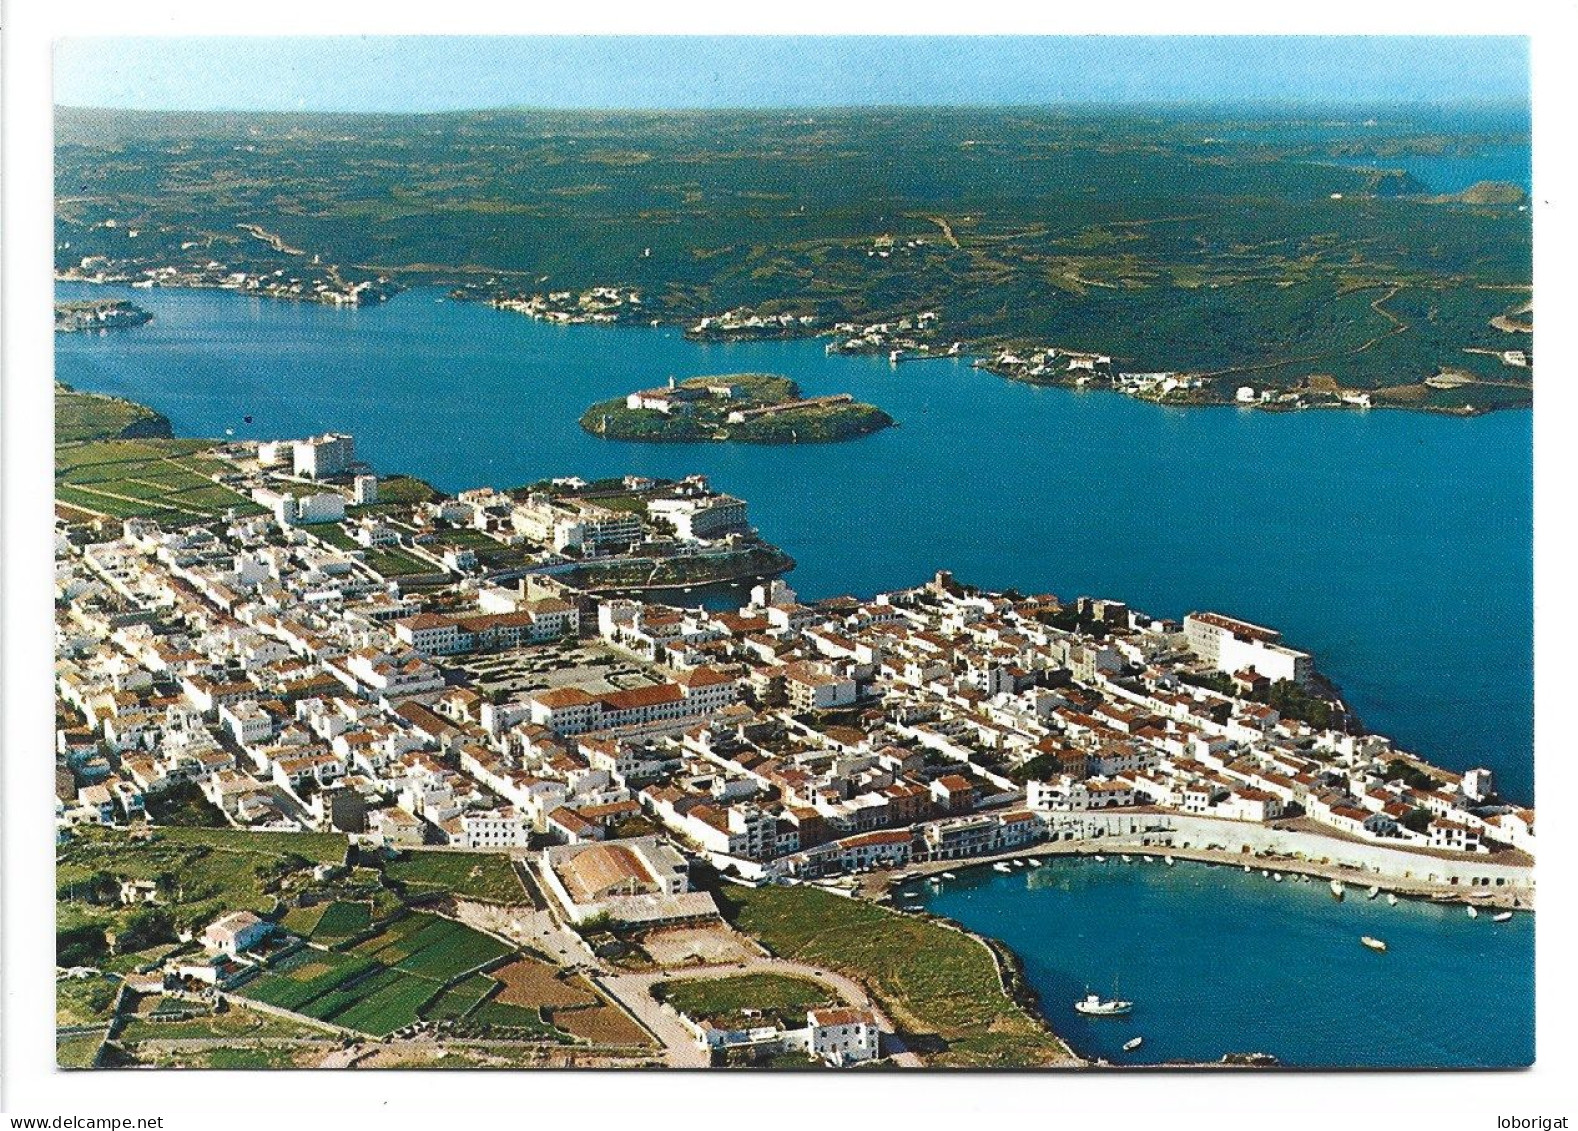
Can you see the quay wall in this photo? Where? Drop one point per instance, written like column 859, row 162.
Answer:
column 1185, row 831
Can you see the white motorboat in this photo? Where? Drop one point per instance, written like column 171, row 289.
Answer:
column 1094, row 1005
column 1100, row 859
column 1473, row 912
column 1373, row 943
column 1337, row 889
column 1502, row 917
column 1131, row 1045
column 1169, row 860
column 1001, row 867
column 1277, row 876
column 949, row 876
column 1246, row 869
column 1375, row 890
column 1266, row 872
column 1391, row 899
column 1127, row 858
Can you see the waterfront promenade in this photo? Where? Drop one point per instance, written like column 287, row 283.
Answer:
column 1291, row 851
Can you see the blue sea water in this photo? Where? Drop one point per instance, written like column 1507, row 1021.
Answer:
column 1395, row 546
column 1216, row 961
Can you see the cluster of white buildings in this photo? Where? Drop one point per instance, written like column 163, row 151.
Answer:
column 604, row 304
column 295, row 689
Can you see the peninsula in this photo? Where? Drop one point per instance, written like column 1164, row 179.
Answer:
column 750, row 408
column 272, row 653
column 1286, row 266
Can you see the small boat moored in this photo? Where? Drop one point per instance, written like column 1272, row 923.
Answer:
column 1131, row 1045
column 1502, row 917
column 1169, row 860
column 1094, row 1005
column 1375, row 890
column 1391, row 899
column 1100, row 859
column 1473, row 912
column 1373, row 943
column 1337, row 889
column 1001, row 867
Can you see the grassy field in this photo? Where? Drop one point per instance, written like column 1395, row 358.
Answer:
column 470, row 875
column 77, row 1052
column 162, row 479
column 384, row 982
column 235, row 1024
column 340, row 921
column 84, row 1001
column 725, row 1001
column 459, row 999
column 938, row 985
column 206, row 872
column 91, row 416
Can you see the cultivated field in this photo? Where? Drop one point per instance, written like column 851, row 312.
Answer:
column 468, row 875
column 384, row 982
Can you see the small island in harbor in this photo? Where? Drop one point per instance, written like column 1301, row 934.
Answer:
column 751, row 408
column 99, row 314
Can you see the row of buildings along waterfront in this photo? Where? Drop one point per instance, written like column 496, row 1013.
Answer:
column 295, row 688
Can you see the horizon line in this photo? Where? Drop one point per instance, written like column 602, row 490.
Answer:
column 1506, row 102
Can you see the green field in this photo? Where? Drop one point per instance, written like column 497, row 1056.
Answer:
column 384, row 982
column 938, row 985
column 235, row 1024
column 392, row 561
column 341, row 921
column 204, row 872
column 77, row 1052
column 433, row 947
column 776, row 998
column 91, row 416
column 470, row 875
column 460, row 999
column 162, row 479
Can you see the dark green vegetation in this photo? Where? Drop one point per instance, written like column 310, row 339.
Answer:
column 705, row 415
column 940, row 986
column 382, row 982
column 201, row 874
column 92, row 416
column 1211, row 243
column 114, row 458
column 746, row 1000
column 469, row 875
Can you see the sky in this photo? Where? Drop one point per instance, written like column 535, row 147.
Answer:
column 431, row 73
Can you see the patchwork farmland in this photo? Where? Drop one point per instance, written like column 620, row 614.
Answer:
column 382, row 982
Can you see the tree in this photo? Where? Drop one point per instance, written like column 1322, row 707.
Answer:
column 1417, row 820
column 80, row 946
column 145, row 928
